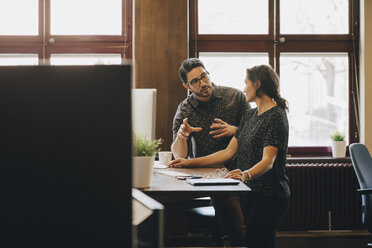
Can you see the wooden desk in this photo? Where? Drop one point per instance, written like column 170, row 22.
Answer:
column 167, row 187
column 177, row 196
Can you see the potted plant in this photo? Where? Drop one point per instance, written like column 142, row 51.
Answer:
column 143, row 160
column 338, row 144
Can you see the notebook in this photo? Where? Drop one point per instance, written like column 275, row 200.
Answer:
column 212, row 181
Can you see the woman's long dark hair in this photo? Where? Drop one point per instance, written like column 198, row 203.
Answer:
column 269, row 83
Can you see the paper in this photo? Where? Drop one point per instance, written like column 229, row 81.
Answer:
column 158, row 165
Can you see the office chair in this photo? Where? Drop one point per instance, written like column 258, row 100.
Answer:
column 362, row 163
column 202, row 219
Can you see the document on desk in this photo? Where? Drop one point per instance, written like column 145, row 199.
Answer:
column 158, row 165
column 212, row 181
column 172, row 173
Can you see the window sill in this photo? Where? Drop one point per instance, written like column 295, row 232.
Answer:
column 297, row 160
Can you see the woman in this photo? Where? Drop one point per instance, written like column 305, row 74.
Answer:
column 261, row 145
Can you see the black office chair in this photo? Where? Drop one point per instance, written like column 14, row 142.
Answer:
column 362, row 163
column 202, row 219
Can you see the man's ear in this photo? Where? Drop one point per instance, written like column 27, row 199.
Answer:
column 186, row 86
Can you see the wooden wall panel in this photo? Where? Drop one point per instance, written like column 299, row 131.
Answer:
column 160, row 45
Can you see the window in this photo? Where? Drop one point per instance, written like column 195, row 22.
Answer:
column 85, row 59
column 314, row 54
column 21, row 14
column 65, row 31
column 233, row 63
column 99, row 17
column 18, row 59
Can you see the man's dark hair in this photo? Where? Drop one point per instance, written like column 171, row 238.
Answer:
column 187, row 65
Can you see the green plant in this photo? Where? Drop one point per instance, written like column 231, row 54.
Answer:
column 144, row 146
column 337, row 136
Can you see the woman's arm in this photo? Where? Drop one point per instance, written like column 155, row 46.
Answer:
column 266, row 163
column 215, row 158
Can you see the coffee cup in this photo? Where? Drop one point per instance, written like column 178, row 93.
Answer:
column 165, row 157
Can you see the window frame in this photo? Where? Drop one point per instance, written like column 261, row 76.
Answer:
column 45, row 44
column 293, row 43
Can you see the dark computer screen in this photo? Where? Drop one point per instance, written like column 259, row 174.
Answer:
column 65, row 156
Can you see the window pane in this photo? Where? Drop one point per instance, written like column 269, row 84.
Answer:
column 86, row 17
column 297, row 17
column 18, row 59
column 233, row 17
column 316, row 87
column 19, row 17
column 229, row 69
column 85, row 59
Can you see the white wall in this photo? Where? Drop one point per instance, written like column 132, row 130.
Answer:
column 366, row 73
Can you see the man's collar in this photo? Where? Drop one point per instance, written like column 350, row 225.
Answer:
column 217, row 91
column 216, row 94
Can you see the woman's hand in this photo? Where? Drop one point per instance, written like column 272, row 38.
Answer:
column 179, row 163
column 236, row 174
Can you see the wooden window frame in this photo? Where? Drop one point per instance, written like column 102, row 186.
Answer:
column 293, row 43
column 45, row 44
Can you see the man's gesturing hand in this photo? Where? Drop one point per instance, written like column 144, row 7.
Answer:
column 185, row 129
column 222, row 129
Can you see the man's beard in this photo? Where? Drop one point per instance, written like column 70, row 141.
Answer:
column 202, row 94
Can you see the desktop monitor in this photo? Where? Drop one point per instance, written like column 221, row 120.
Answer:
column 65, row 156
column 144, row 112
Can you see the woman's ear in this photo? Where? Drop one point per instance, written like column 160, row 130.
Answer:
column 257, row 84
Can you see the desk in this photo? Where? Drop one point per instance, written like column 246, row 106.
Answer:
column 164, row 187
column 177, row 196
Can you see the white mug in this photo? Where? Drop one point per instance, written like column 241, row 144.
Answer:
column 165, row 157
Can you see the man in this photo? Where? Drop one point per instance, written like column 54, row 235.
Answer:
column 204, row 123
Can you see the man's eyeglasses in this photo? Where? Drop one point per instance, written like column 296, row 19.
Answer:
column 196, row 81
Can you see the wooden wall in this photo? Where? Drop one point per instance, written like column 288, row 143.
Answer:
column 160, row 45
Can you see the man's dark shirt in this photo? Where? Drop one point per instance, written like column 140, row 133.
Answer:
column 226, row 103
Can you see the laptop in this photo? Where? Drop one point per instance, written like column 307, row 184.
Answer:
column 212, row 181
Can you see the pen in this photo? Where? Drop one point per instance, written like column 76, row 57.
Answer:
column 188, row 177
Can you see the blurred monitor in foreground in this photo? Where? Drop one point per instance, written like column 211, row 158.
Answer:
column 65, row 156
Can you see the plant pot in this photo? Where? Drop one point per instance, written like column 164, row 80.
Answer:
column 338, row 149
column 142, row 168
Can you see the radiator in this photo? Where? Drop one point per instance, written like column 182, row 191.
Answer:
column 323, row 197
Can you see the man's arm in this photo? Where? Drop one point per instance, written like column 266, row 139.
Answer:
column 180, row 147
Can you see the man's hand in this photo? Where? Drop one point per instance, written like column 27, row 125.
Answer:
column 222, row 129
column 185, row 129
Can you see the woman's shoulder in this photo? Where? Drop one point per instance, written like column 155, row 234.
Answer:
column 278, row 112
column 249, row 113
column 279, row 116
